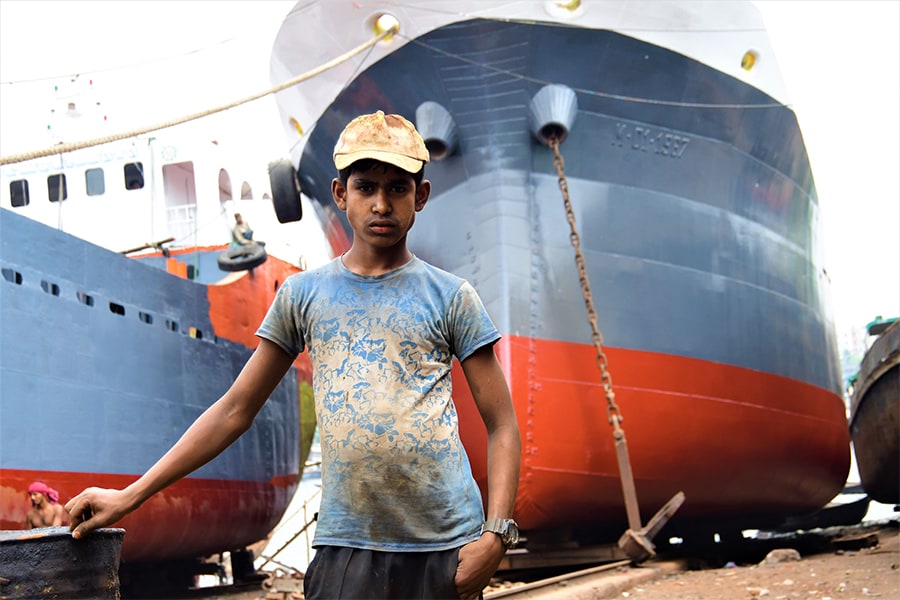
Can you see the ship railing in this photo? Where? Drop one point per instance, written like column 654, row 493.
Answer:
column 182, row 220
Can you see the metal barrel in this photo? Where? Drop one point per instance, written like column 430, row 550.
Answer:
column 48, row 563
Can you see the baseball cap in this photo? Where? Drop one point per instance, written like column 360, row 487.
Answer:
column 387, row 138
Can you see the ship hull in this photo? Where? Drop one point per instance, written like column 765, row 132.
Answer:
column 699, row 224
column 745, row 447
column 105, row 362
column 875, row 418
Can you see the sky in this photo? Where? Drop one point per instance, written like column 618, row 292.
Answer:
column 841, row 65
column 840, row 61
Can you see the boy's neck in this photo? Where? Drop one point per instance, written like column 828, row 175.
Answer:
column 371, row 264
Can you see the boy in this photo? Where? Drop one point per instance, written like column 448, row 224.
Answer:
column 400, row 515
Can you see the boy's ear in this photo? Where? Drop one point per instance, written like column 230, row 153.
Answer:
column 423, row 192
column 339, row 193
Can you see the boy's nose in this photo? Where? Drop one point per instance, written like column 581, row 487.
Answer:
column 380, row 204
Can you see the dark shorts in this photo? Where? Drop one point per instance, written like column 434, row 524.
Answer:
column 338, row 572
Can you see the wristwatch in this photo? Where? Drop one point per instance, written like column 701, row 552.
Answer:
column 507, row 529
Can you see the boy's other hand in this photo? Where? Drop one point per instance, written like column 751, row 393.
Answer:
column 478, row 561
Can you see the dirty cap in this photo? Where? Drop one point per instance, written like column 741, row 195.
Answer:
column 386, row 138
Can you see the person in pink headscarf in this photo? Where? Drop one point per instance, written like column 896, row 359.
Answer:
column 46, row 511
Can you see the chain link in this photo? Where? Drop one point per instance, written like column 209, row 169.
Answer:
column 612, row 410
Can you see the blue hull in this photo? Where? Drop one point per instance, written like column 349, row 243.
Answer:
column 104, row 363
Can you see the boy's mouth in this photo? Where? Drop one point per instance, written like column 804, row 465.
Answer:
column 382, row 226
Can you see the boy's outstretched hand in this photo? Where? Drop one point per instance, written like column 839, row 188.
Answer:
column 95, row 508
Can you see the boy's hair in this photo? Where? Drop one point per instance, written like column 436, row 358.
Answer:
column 367, row 164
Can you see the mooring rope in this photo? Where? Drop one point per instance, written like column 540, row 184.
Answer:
column 63, row 148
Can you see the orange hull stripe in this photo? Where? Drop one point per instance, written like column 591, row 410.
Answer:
column 735, row 441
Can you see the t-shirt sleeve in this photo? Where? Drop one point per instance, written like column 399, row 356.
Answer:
column 281, row 324
column 470, row 325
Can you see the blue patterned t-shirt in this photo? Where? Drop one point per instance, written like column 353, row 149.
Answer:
column 395, row 475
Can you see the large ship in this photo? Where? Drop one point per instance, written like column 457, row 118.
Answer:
column 695, row 210
column 126, row 310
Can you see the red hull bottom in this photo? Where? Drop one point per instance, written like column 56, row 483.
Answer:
column 742, row 445
column 192, row 518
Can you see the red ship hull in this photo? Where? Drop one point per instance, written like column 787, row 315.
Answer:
column 193, row 517
column 740, row 444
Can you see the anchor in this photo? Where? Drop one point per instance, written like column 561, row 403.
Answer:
column 637, row 542
column 552, row 111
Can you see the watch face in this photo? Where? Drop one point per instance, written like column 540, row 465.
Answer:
column 505, row 528
column 511, row 535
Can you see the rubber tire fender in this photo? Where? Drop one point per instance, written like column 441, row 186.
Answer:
column 285, row 191
column 242, row 258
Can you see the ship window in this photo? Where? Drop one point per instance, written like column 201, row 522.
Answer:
column 145, row 318
column 56, row 187
column 18, row 192
column 116, row 309
column 85, row 299
column 171, row 325
column 12, row 276
column 246, row 191
column 50, row 288
column 225, row 193
column 134, row 176
column 195, row 333
column 94, row 182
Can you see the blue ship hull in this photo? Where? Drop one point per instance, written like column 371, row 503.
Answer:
column 104, row 363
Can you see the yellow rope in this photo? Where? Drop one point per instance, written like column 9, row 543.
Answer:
column 62, row 148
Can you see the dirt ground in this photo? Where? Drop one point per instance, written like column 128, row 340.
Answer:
column 849, row 574
column 865, row 566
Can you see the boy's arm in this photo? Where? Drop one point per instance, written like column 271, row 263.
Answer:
column 479, row 560
column 491, row 394
column 212, row 432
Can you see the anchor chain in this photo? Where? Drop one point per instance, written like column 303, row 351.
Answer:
column 612, row 409
column 636, row 541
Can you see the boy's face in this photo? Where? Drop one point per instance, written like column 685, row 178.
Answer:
column 381, row 203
